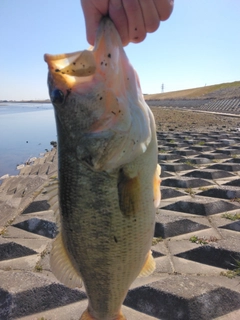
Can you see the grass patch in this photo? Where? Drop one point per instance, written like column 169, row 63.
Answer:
column 232, row 217
column 205, row 188
column 38, row 267
column 202, row 240
column 201, row 143
column 190, row 191
column 44, row 253
column 155, row 240
column 189, row 163
column 232, row 273
column 235, row 200
column 3, row 232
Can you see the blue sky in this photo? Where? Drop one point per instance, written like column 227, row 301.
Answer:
column 198, row 45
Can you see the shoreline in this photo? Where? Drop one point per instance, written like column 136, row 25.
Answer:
column 29, row 162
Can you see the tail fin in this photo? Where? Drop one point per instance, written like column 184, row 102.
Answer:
column 87, row 316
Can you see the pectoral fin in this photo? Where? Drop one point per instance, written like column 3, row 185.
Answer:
column 148, row 267
column 128, row 193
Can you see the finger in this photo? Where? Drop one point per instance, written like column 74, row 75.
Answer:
column 136, row 27
column 150, row 15
column 92, row 19
column 164, row 8
column 119, row 18
column 93, row 16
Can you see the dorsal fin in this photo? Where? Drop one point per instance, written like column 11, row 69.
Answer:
column 60, row 261
column 62, row 266
column 52, row 192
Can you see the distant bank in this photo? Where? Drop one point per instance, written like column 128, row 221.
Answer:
column 26, row 101
column 218, row 91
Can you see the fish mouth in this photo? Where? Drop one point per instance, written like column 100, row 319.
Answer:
column 69, row 67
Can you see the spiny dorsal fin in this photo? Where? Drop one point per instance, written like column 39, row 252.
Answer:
column 62, row 266
column 52, row 192
column 148, row 267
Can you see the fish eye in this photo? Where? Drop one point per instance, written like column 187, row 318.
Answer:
column 57, row 96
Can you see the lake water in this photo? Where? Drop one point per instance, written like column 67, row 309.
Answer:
column 26, row 130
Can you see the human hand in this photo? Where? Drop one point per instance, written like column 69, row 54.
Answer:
column 132, row 18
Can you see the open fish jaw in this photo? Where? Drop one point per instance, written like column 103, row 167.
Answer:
column 106, row 102
column 108, row 174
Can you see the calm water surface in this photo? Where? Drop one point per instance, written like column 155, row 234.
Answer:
column 26, row 130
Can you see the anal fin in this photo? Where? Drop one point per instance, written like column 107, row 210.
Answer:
column 148, row 267
column 121, row 317
column 62, row 266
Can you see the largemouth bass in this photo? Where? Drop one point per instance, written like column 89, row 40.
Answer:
column 108, row 173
